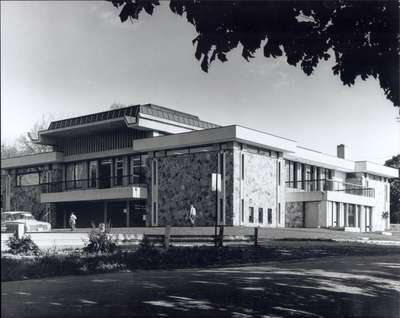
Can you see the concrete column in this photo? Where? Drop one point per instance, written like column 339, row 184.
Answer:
column 127, row 213
column 362, row 219
column 356, row 216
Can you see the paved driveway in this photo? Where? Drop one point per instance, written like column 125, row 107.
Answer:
column 330, row 287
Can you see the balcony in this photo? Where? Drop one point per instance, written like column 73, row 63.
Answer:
column 329, row 185
column 106, row 188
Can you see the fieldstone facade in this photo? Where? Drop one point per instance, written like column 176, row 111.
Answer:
column 294, row 214
column 185, row 180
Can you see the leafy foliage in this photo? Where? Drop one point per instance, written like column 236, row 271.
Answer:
column 394, row 190
column 25, row 144
column 23, row 245
column 363, row 36
column 100, row 242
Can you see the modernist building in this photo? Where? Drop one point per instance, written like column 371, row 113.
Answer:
column 144, row 165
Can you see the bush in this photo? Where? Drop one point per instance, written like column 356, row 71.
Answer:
column 100, row 242
column 23, row 245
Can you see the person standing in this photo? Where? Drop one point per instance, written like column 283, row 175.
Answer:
column 192, row 215
column 72, row 221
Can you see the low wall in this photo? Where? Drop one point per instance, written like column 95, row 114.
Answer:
column 61, row 240
column 395, row 227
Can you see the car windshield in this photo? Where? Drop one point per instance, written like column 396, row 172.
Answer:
column 16, row 216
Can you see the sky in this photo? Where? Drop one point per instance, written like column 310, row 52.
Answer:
column 69, row 58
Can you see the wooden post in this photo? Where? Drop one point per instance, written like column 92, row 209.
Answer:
column 167, row 236
column 256, row 236
column 221, row 236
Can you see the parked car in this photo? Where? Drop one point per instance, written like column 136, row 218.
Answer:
column 11, row 219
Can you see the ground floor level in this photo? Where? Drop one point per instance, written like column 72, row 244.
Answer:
column 90, row 214
column 330, row 214
column 137, row 213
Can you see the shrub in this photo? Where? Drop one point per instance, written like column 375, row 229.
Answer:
column 23, row 245
column 100, row 242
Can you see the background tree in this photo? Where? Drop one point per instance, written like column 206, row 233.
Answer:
column 25, row 144
column 394, row 190
column 117, row 106
column 363, row 36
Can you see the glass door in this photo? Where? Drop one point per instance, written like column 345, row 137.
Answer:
column 105, row 169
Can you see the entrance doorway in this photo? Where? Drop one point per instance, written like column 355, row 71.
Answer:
column 105, row 169
column 137, row 213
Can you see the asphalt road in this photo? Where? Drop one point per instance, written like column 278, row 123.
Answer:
column 330, row 287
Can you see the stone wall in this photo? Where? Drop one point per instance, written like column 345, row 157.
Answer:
column 184, row 180
column 294, row 214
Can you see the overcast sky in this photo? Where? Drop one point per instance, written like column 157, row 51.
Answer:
column 73, row 58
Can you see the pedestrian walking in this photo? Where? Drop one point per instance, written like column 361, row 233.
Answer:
column 192, row 215
column 72, row 221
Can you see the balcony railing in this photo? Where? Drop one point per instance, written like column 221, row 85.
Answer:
column 329, row 185
column 93, row 183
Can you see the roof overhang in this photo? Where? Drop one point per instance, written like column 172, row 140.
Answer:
column 317, row 158
column 215, row 135
column 32, row 160
column 376, row 169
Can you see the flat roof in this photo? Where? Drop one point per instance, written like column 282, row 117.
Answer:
column 132, row 111
column 215, row 135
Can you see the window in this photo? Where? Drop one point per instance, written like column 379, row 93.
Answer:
column 80, row 174
column 28, row 179
column 119, row 171
column 351, row 216
column 242, row 210
column 260, row 215
column 75, row 175
column 251, row 215
column 269, row 216
column 70, row 176
column 93, row 174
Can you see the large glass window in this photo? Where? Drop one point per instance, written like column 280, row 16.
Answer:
column 81, row 174
column 260, row 215
column 93, row 174
column 70, row 176
column 137, row 168
column 251, row 214
column 119, row 171
column 351, row 215
column 269, row 216
column 28, row 179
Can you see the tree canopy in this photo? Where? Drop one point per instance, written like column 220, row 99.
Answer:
column 362, row 36
column 394, row 190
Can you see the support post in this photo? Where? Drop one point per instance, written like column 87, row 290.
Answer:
column 20, row 230
column 167, row 236
column 221, row 236
column 256, row 236
column 127, row 213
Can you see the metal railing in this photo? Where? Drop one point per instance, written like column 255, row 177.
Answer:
column 92, row 183
column 329, row 185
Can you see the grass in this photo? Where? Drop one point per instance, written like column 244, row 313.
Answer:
column 148, row 257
